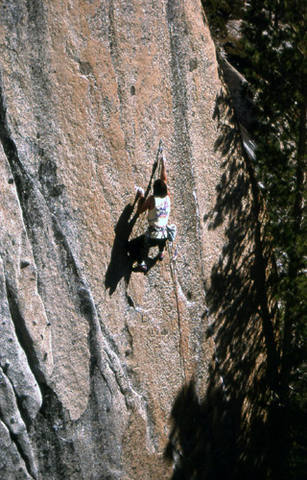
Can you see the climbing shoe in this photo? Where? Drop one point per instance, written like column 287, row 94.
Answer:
column 142, row 267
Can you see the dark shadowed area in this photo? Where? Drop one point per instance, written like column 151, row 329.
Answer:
column 231, row 432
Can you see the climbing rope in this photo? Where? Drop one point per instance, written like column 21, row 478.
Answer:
column 172, row 264
column 141, row 227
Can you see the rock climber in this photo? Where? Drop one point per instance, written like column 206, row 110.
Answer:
column 159, row 207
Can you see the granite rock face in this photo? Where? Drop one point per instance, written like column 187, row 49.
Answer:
column 92, row 354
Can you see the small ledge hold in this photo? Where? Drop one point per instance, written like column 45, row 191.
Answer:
column 57, row 190
column 130, row 301
column 85, row 68
column 5, row 367
column 24, row 264
column 193, row 64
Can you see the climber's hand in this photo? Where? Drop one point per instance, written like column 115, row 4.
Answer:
column 139, row 192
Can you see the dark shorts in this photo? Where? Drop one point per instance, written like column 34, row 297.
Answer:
column 155, row 242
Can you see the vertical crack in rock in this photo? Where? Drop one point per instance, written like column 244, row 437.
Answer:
column 11, row 417
column 20, row 450
column 53, row 431
column 108, row 358
column 180, row 107
column 24, row 338
column 12, row 464
column 39, row 61
column 111, row 356
column 115, row 55
column 179, row 94
column 23, row 183
column 114, row 50
column 20, row 395
column 22, row 178
column 178, row 38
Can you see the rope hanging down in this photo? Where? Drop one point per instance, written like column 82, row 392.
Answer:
column 172, row 264
column 172, row 256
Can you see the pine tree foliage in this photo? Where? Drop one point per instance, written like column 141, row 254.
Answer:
column 271, row 52
column 273, row 39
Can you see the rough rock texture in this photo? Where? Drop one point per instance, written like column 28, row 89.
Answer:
column 93, row 354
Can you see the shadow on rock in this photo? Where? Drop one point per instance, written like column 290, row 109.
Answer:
column 231, row 432
column 124, row 252
column 202, row 442
column 121, row 263
column 138, row 252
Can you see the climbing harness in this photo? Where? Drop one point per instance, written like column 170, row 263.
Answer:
column 171, row 233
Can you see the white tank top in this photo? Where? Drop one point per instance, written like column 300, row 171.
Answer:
column 158, row 216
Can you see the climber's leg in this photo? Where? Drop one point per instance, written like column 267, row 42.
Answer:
column 161, row 246
column 143, row 253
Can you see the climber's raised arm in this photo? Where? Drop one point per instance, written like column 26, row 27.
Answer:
column 163, row 175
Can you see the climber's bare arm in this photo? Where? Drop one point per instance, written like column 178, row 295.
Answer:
column 163, row 175
column 145, row 204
